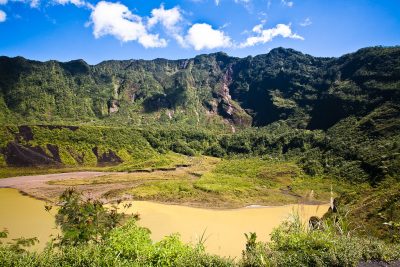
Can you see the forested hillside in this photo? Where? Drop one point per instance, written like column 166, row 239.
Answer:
column 350, row 103
column 336, row 118
column 307, row 92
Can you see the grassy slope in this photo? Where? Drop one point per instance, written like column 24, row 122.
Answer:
column 373, row 211
column 212, row 182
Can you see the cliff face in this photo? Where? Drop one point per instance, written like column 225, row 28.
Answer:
column 305, row 91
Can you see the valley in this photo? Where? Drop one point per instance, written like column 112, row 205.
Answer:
column 214, row 142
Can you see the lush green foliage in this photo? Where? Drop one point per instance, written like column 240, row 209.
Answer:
column 327, row 243
column 306, row 91
column 323, row 243
column 90, row 237
column 335, row 118
column 354, row 97
column 82, row 220
column 373, row 211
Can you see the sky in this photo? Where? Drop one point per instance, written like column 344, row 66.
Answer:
column 143, row 29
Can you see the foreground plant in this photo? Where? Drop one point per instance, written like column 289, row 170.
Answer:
column 83, row 220
column 327, row 243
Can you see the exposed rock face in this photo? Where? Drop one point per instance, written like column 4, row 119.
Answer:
column 22, row 155
column 307, row 92
column 227, row 108
column 113, row 106
column 226, row 97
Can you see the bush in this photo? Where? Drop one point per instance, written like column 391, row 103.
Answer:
column 82, row 220
column 328, row 244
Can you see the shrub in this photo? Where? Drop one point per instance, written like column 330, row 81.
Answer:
column 82, row 220
column 329, row 244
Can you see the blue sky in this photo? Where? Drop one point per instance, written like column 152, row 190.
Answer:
column 125, row 29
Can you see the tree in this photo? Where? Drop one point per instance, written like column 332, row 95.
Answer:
column 84, row 220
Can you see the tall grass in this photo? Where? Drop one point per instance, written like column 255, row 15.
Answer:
column 323, row 243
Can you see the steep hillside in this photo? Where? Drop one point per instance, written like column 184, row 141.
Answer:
column 354, row 100
column 337, row 119
column 214, row 89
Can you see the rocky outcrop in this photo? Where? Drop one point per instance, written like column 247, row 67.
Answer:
column 113, row 106
column 227, row 107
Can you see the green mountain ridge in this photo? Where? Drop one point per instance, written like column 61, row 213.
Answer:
column 338, row 116
column 337, row 119
column 305, row 91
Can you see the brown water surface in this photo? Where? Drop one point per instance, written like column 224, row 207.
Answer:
column 224, row 230
column 24, row 216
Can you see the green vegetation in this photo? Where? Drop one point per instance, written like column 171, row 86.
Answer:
column 241, row 182
column 281, row 124
column 94, row 236
column 82, row 221
column 373, row 211
column 128, row 245
column 228, row 183
column 326, row 243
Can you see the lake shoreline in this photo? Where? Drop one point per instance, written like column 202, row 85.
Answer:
column 37, row 187
column 224, row 228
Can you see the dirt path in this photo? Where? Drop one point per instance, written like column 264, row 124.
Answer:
column 38, row 187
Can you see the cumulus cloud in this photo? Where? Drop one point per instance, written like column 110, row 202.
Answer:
column 203, row 36
column 169, row 19
column 115, row 19
column 3, row 16
column 287, row 3
column 199, row 36
column 306, row 22
column 264, row 36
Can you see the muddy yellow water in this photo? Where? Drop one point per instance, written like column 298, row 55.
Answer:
column 224, row 229
column 24, row 216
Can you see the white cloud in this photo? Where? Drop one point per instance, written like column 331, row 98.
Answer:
column 258, row 28
column 32, row 3
column 203, row 36
column 115, row 19
column 287, row 3
column 169, row 19
column 35, row 3
column 306, row 22
column 246, row 4
column 3, row 16
column 217, row 2
column 3, row 2
column 199, row 36
column 265, row 36
column 78, row 3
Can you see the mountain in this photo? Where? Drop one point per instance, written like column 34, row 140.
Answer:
column 332, row 117
column 339, row 116
column 305, row 91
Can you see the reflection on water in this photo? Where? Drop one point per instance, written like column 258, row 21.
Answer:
column 224, row 229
